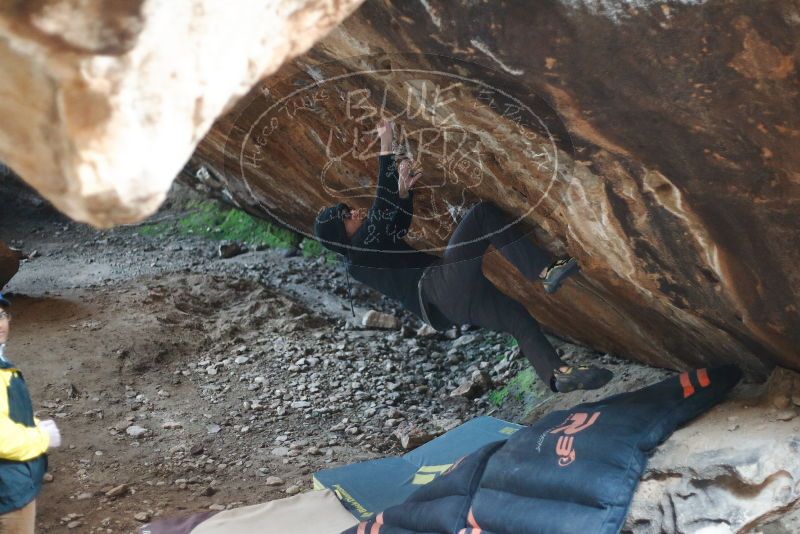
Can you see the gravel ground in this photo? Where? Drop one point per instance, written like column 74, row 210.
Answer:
column 183, row 381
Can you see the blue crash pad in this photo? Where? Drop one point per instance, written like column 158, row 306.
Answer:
column 367, row 488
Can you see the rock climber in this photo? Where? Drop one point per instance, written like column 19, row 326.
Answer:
column 452, row 289
column 24, row 440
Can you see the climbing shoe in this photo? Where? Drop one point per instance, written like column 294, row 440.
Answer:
column 557, row 273
column 583, row 377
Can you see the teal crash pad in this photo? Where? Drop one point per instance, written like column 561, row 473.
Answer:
column 370, row 487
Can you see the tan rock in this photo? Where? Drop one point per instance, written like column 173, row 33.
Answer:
column 411, row 436
column 474, row 386
column 117, row 491
column 105, row 101
column 780, row 388
column 426, row 330
column 376, row 319
column 142, row 517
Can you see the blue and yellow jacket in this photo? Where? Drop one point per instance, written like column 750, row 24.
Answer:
column 23, row 462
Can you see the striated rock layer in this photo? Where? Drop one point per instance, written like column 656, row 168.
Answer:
column 656, row 142
column 103, row 102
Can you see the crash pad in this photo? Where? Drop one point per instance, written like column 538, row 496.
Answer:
column 369, row 487
column 314, row 512
column 573, row 471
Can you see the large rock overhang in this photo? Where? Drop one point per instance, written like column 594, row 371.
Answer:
column 675, row 127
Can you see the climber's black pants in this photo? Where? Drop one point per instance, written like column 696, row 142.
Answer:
column 464, row 295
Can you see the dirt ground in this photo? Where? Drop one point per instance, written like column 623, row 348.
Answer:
column 195, row 381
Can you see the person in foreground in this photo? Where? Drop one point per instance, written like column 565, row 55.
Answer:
column 453, row 289
column 23, row 443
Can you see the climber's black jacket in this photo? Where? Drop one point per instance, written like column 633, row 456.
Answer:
column 380, row 258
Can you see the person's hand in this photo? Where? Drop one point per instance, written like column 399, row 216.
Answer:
column 407, row 177
column 385, row 130
column 50, row 427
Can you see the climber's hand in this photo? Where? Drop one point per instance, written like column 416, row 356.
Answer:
column 407, row 176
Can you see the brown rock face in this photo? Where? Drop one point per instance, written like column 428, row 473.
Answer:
column 9, row 264
column 655, row 142
column 103, row 102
